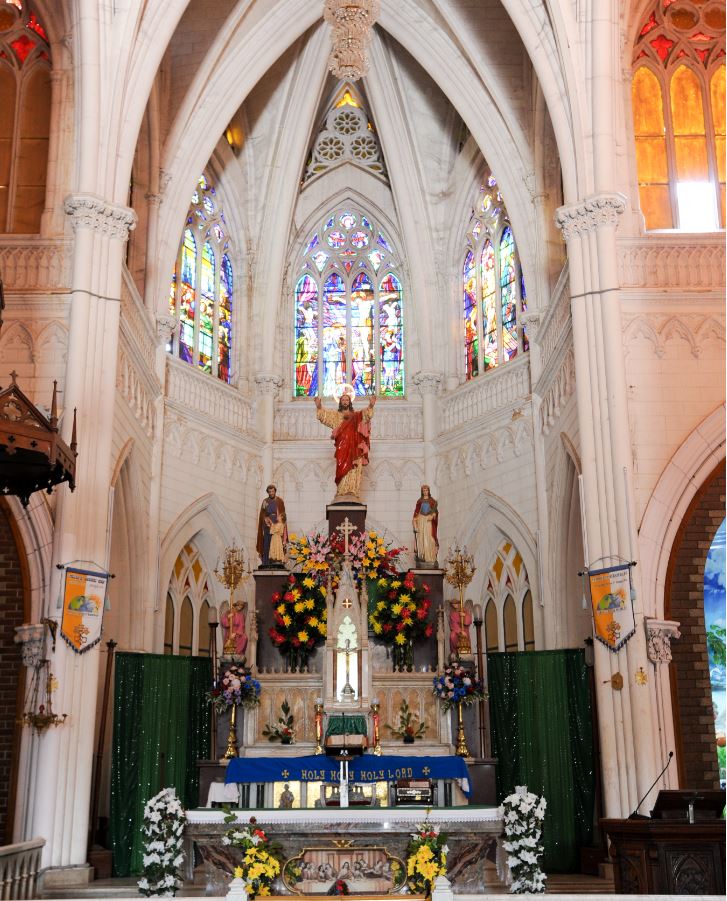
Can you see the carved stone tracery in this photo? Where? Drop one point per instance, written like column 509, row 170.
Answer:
column 592, row 213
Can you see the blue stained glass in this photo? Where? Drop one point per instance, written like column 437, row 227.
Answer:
column 336, row 239
column 391, row 337
column 313, row 244
column 359, row 239
column 306, row 337
column 189, row 259
column 330, row 222
column 714, row 622
column 381, row 241
column 491, row 181
column 365, row 222
column 347, row 220
column 508, row 294
column 224, row 328
column 470, row 316
column 209, row 206
column 362, row 334
column 335, row 371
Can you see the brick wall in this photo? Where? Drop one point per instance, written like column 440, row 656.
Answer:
column 11, row 615
column 691, row 693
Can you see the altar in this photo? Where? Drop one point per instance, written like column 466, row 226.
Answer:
column 475, row 861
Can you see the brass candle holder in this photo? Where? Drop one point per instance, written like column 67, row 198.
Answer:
column 376, row 718
column 319, row 726
column 459, row 572
column 231, row 575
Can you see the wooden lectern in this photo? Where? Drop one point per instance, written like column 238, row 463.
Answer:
column 679, row 850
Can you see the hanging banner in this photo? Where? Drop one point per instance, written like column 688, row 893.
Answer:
column 84, row 595
column 613, row 611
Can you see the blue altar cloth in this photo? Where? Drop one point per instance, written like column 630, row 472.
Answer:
column 366, row 768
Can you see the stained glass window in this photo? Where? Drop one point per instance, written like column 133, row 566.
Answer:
column 348, row 316
column 25, row 99
column 201, row 290
column 677, row 95
column 493, row 286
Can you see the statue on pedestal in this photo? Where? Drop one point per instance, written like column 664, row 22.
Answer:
column 424, row 522
column 272, row 530
column 352, row 436
column 460, row 620
column 233, row 630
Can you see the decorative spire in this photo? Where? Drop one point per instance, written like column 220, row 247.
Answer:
column 351, row 22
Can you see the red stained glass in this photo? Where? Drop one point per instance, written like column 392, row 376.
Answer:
column 703, row 54
column 681, row 54
column 663, row 46
column 37, row 27
column 668, row 3
column 701, row 37
column 22, row 47
column 721, row 52
column 643, row 53
column 649, row 25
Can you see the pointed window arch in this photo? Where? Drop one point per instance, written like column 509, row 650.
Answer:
column 508, row 599
column 677, row 96
column 349, row 326
column 25, row 100
column 186, row 625
column 201, row 292
column 493, row 287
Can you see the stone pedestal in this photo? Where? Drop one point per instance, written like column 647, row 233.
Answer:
column 336, row 513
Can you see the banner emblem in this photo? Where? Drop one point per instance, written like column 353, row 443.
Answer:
column 613, row 611
column 84, row 597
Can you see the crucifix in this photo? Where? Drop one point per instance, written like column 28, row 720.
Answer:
column 348, row 694
column 346, row 528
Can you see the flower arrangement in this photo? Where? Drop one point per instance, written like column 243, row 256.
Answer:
column 400, row 615
column 284, row 730
column 426, row 858
column 523, row 814
column 339, row 887
column 409, row 728
column 163, row 856
column 236, row 688
column 260, row 864
column 457, row 685
column 315, row 555
column 300, row 618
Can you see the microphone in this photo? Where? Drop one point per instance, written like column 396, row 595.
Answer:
column 640, row 816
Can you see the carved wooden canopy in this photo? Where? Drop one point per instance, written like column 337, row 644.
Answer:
column 32, row 454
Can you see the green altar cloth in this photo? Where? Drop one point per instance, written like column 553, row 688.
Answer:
column 346, row 725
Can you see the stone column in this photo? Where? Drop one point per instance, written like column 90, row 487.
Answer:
column 267, row 386
column 627, row 717
column 429, row 384
column 60, row 806
column 659, row 635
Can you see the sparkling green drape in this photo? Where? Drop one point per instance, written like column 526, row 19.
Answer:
column 540, row 713
column 161, row 729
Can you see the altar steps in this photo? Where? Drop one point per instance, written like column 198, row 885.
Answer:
column 578, row 884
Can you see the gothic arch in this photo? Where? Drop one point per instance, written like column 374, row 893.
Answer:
column 680, row 481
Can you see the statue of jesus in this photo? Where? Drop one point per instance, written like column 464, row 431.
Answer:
column 351, row 435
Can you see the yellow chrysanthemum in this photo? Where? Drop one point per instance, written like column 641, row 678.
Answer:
column 405, row 597
column 383, row 582
column 396, row 583
column 377, row 628
column 299, row 606
column 286, row 620
column 296, row 593
column 381, row 605
column 324, row 615
column 308, row 582
column 313, row 622
column 309, row 605
column 396, row 609
column 400, row 638
column 322, row 629
column 293, row 537
column 281, row 609
column 322, row 590
column 303, row 635
column 238, row 873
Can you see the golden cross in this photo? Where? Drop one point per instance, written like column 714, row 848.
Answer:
column 347, row 603
column 426, row 771
column 285, row 774
column 346, row 528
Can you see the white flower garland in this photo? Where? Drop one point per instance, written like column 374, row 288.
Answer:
column 523, row 813
column 164, row 821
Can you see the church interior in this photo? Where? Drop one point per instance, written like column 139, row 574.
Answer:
column 362, row 438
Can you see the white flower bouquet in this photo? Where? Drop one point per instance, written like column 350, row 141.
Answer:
column 522, row 814
column 163, row 856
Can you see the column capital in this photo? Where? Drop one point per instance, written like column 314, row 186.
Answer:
column 590, row 214
column 153, row 199
column 165, row 328
column 268, row 383
column 93, row 212
column 532, row 322
column 659, row 633
column 428, row 382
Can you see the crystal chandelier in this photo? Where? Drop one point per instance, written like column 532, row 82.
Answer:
column 351, row 22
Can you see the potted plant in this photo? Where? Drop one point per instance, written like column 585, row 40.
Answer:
column 284, row 730
column 260, row 862
column 409, row 727
column 426, row 858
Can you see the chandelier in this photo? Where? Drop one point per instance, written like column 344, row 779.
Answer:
column 351, row 22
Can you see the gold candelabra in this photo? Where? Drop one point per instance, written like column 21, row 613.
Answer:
column 319, row 726
column 459, row 571
column 231, row 575
column 40, row 715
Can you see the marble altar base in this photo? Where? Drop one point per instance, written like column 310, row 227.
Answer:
column 473, row 838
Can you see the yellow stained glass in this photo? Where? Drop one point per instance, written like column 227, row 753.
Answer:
column 510, row 616
column 651, row 164
column 691, row 156
column 647, row 103
column 491, row 637
column 517, row 562
column 717, row 95
column 656, row 206
column 686, row 103
column 498, row 568
column 347, row 100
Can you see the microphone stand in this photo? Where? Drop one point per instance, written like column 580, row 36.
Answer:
column 635, row 815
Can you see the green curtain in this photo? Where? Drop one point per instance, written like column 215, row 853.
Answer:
column 540, row 713
column 161, row 729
